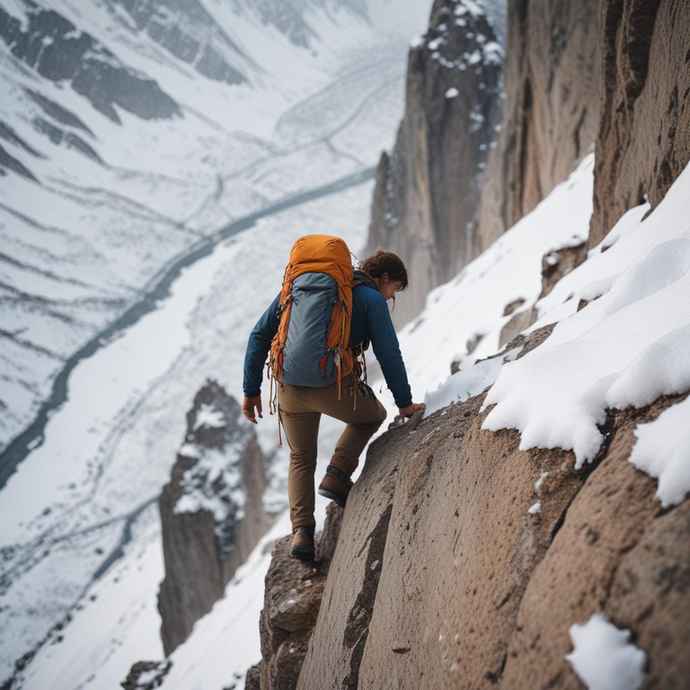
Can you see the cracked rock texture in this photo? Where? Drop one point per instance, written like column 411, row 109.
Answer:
column 643, row 141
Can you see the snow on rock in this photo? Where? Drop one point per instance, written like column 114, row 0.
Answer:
column 474, row 301
column 540, row 481
column 534, row 509
column 210, row 416
column 603, row 657
column 662, row 450
column 465, row 383
column 627, row 347
column 214, row 484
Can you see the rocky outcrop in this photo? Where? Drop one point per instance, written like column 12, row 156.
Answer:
column 427, row 189
column 212, row 513
column 293, row 594
column 53, row 46
column 146, row 675
column 643, row 141
column 550, row 113
column 445, row 574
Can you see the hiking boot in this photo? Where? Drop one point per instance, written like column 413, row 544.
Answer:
column 302, row 544
column 335, row 485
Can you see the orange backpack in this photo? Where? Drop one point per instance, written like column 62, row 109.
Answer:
column 317, row 254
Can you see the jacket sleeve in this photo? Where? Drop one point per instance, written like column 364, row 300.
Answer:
column 387, row 350
column 257, row 348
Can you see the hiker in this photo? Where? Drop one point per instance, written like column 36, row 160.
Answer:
column 351, row 400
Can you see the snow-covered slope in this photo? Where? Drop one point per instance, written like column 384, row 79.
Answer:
column 628, row 346
column 132, row 131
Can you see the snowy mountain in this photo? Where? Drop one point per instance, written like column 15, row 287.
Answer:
column 509, row 272
column 129, row 276
column 133, row 132
column 530, row 529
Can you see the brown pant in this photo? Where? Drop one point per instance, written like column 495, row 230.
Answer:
column 300, row 409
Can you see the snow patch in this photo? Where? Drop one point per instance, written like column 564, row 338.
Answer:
column 603, row 657
column 465, row 383
column 209, row 416
column 540, row 481
column 662, row 450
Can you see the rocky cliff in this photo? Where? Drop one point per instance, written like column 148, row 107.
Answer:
column 427, row 188
column 58, row 51
column 550, row 114
column 462, row 173
column 464, row 560
column 643, row 140
column 212, row 513
column 443, row 576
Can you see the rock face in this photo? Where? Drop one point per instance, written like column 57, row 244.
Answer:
column 427, row 189
column 550, row 114
column 462, row 561
column 643, row 141
column 451, row 187
column 443, row 577
column 293, row 594
column 212, row 512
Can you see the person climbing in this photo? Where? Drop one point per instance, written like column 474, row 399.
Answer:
column 302, row 398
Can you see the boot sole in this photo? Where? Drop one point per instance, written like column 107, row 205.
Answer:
column 334, row 497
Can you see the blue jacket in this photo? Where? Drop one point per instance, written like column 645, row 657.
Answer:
column 370, row 319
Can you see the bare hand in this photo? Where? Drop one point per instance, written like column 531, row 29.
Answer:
column 411, row 409
column 248, row 405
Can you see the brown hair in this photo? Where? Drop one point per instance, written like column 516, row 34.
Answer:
column 385, row 262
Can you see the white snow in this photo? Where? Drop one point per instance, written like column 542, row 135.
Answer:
column 662, row 450
column 214, row 484
column 627, row 347
column 465, row 383
column 452, row 93
column 535, row 508
column 540, row 481
column 474, row 301
column 209, row 416
column 189, row 450
column 603, row 657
